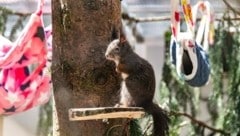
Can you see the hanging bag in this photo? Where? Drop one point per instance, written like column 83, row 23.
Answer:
column 24, row 82
column 188, row 56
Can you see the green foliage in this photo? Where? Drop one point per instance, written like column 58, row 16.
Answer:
column 4, row 13
column 180, row 96
column 18, row 25
column 135, row 128
column 232, row 110
column 45, row 123
column 225, row 56
column 223, row 104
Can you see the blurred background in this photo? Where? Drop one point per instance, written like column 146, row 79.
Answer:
column 148, row 29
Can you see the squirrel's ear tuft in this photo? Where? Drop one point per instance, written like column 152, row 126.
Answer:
column 115, row 34
column 122, row 37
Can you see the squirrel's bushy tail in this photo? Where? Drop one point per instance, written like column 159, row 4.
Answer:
column 160, row 119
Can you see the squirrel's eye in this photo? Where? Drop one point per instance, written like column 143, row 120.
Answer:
column 117, row 49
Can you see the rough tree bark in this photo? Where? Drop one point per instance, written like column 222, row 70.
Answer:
column 82, row 77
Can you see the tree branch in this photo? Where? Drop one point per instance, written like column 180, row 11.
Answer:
column 201, row 123
column 126, row 16
column 231, row 8
column 146, row 19
column 147, row 128
column 9, row 11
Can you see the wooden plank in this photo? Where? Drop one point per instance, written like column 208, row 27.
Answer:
column 105, row 113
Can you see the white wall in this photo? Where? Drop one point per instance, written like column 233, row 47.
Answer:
column 21, row 124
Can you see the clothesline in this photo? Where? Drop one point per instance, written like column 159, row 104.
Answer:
column 127, row 16
column 9, row 11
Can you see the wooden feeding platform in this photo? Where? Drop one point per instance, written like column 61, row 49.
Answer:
column 76, row 114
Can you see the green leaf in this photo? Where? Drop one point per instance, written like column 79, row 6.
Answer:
column 135, row 128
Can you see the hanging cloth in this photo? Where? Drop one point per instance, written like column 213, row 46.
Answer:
column 24, row 82
column 205, row 33
column 187, row 54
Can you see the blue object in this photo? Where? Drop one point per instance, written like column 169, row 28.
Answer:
column 200, row 75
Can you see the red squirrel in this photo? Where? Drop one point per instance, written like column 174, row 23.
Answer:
column 138, row 84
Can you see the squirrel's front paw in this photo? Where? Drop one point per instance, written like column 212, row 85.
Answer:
column 117, row 105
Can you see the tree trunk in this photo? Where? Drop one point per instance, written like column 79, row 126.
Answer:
column 82, row 77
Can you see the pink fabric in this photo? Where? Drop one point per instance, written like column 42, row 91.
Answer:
column 21, row 88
